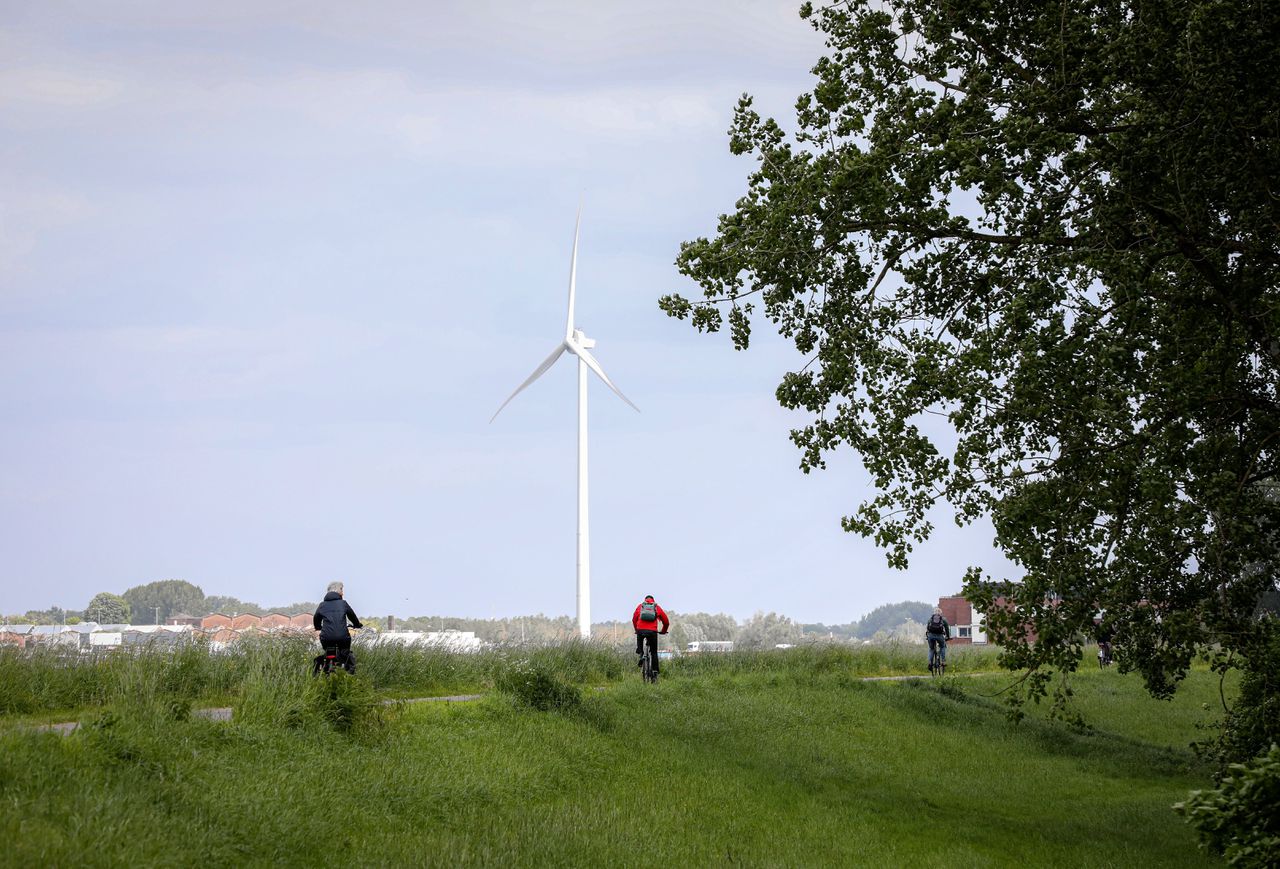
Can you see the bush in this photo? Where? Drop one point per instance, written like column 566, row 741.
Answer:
column 535, row 685
column 345, row 703
column 1238, row 819
column 1253, row 722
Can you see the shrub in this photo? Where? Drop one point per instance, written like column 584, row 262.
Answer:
column 1253, row 722
column 1238, row 819
column 537, row 686
column 345, row 703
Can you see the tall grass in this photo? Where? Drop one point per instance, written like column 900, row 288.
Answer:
column 257, row 671
column 803, row 662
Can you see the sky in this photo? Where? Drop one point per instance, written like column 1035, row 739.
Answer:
column 267, row 269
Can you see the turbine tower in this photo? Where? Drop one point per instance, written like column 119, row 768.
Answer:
column 577, row 343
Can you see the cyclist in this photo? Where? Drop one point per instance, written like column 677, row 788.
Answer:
column 1104, row 633
column 331, row 621
column 645, row 620
column 937, row 632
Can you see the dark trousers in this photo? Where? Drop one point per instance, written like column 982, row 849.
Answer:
column 650, row 637
column 340, row 647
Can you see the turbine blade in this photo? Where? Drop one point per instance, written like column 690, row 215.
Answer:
column 541, row 369
column 586, row 357
column 573, row 276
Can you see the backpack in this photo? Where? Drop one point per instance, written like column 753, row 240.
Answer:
column 935, row 624
column 648, row 612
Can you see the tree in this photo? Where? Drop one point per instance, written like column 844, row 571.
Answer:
column 107, row 608
column 890, row 616
column 690, row 627
column 1029, row 254
column 221, row 603
column 303, row 606
column 766, row 630
column 169, row 596
column 907, row 631
column 52, row 616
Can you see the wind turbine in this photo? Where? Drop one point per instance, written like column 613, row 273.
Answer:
column 576, row 342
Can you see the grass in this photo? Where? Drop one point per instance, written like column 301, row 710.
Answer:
column 778, row 759
column 48, row 684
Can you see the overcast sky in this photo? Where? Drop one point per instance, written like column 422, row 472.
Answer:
column 267, row 269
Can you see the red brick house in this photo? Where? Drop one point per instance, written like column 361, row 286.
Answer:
column 302, row 620
column 13, row 638
column 966, row 622
column 246, row 621
column 183, row 619
column 215, row 621
column 275, row 622
column 224, row 636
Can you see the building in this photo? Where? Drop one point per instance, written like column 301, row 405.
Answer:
column 245, row 621
column 60, row 636
column 272, row 621
column 15, row 635
column 220, row 638
column 104, row 640
column 449, row 640
column 275, row 622
column 966, row 622
column 697, row 647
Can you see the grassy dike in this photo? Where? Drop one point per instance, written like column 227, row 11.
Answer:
column 769, row 760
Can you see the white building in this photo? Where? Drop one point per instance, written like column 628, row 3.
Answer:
column 449, row 640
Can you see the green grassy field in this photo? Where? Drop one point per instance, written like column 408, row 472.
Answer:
column 767, row 760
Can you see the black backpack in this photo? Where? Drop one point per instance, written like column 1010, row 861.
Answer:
column 935, row 624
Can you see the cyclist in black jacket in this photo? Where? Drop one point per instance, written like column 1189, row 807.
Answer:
column 331, row 621
column 937, row 632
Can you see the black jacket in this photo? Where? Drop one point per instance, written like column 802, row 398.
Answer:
column 331, row 618
column 942, row 630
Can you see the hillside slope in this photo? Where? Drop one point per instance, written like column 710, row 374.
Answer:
column 760, row 769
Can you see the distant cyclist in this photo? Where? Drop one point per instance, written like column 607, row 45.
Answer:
column 1104, row 633
column 331, row 621
column 647, row 617
column 937, row 632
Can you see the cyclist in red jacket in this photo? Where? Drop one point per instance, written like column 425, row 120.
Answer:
column 647, row 617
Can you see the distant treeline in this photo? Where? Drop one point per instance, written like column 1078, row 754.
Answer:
column 155, row 602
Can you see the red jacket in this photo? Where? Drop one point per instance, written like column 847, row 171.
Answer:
column 650, row 626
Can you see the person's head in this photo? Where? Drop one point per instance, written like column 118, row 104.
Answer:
column 937, row 611
column 648, row 598
column 336, row 586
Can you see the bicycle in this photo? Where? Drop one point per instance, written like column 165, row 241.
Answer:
column 1104, row 656
column 333, row 658
column 647, row 669
column 937, row 661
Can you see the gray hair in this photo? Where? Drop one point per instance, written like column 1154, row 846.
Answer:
column 335, row 586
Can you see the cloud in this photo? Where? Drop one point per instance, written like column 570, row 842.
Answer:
column 57, row 87
column 26, row 213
